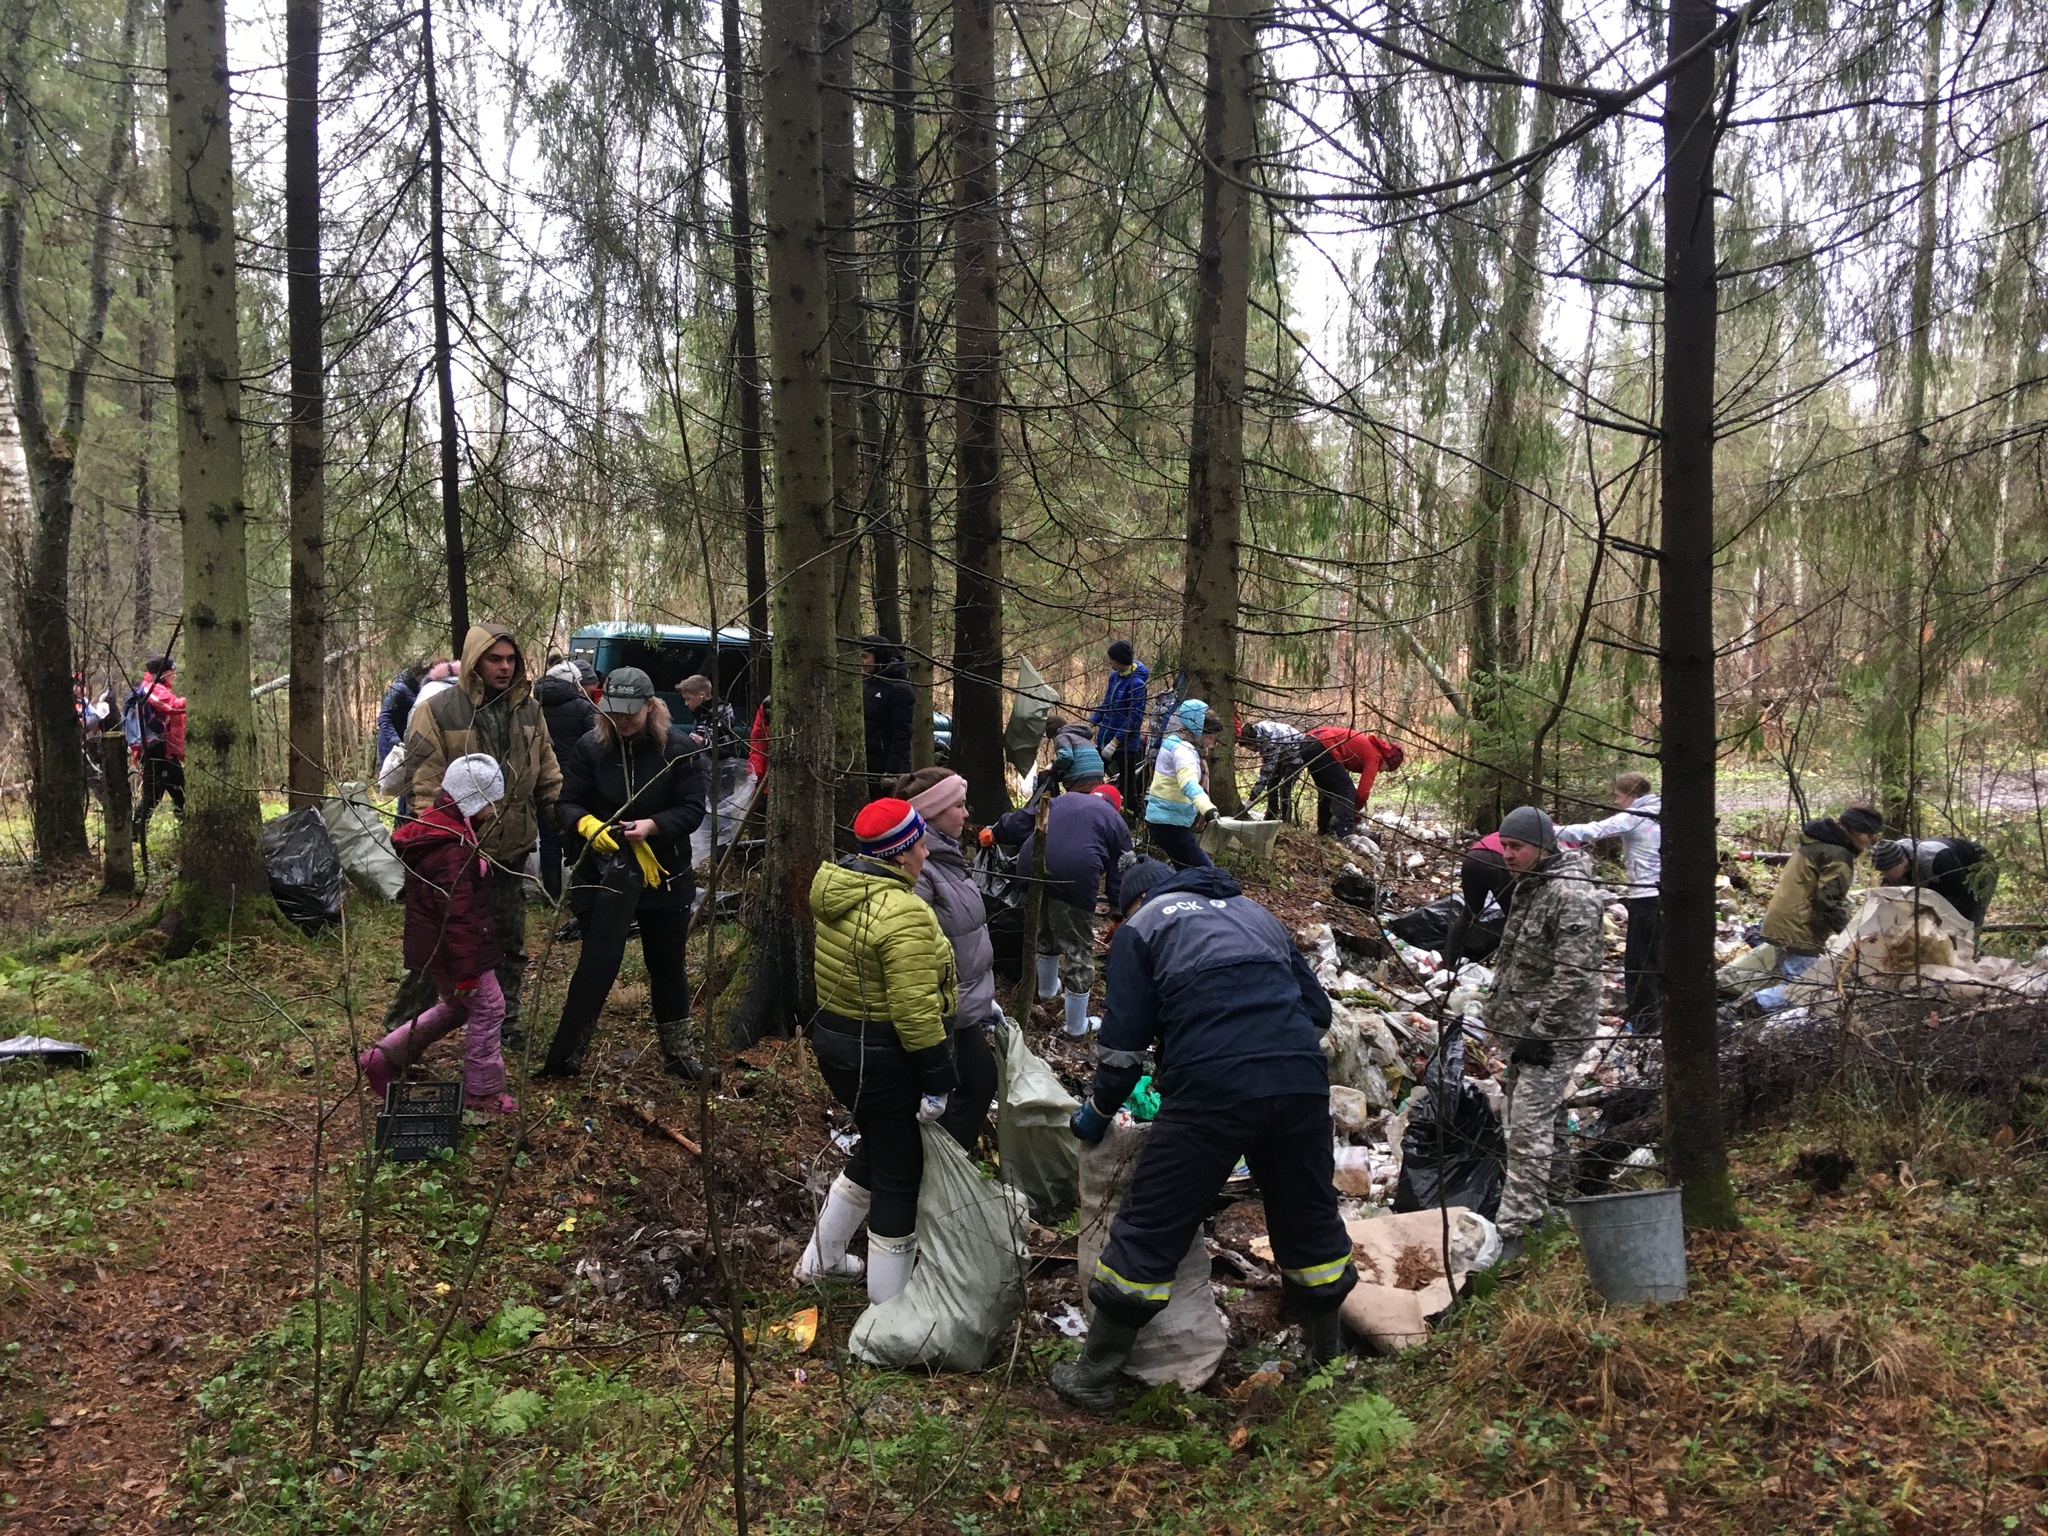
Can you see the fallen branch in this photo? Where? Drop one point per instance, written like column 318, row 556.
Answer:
column 654, row 1122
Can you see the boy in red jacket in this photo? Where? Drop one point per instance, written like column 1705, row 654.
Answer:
column 451, row 935
column 1346, row 755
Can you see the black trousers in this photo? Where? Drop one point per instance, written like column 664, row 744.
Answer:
column 966, row 1116
column 550, row 857
column 882, row 1084
column 1641, row 966
column 162, row 775
column 1180, row 846
column 1186, row 1158
column 605, row 911
column 1130, row 769
column 1336, row 796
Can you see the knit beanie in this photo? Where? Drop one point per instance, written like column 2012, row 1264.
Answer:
column 1138, row 880
column 1860, row 818
column 886, row 827
column 1194, row 715
column 1526, row 824
column 1120, row 652
column 474, row 781
column 1887, row 854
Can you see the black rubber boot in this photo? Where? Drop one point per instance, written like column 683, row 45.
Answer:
column 1090, row 1382
column 1325, row 1337
column 678, row 1039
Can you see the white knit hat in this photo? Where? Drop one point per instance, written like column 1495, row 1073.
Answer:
column 474, row 782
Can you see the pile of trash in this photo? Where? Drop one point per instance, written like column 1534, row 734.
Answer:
column 1902, row 941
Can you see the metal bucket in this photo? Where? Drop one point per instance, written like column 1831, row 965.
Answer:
column 1634, row 1244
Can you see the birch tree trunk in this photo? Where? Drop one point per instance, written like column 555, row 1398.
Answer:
column 222, row 862
column 1695, row 1143
column 1209, row 606
column 800, row 772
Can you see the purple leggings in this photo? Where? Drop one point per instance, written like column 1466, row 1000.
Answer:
column 483, row 1063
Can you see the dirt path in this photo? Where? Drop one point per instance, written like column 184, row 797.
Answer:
column 101, row 1394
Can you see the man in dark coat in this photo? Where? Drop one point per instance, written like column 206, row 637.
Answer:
column 1210, row 981
column 885, row 706
column 632, row 793
column 1956, row 869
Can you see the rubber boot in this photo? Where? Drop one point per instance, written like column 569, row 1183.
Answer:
column 678, row 1041
column 1077, row 1015
column 1325, row 1336
column 846, row 1207
column 1048, row 977
column 890, row 1261
column 1090, row 1382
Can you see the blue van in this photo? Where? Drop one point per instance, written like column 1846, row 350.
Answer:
column 668, row 653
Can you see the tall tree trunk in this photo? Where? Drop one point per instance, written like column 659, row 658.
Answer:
column 308, row 697
column 746, row 354
column 917, row 488
column 877, row 520
column 1694, row 1140
column 444, row 352
column 978, row 715
column 1490, row 788
column 43, row 581
column 801, row 765
column 837, row 128
column 222, row 862
column 145, row 430
column 1222, row 315
column 1895, row 715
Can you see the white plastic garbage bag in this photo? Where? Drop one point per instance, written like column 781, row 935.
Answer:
column 1040, row 1157
column 1185, row 1343
column 736, row 787
column 362, row 843
column 968, row 1286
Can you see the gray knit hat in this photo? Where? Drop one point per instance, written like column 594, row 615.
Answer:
column 1887, row 855
column 1526, row 824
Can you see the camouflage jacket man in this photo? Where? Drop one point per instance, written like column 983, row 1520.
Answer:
column 1546, row 973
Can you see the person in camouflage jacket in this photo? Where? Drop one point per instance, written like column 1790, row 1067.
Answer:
column 1544, row 1005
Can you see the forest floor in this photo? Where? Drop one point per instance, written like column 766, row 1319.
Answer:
column 1866, row 1360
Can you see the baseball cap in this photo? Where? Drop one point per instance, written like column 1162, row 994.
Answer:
column 625, row 690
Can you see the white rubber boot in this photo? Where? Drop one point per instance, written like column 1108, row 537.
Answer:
column 1048, row 977
column 846, row 1207
column 1077, row 1015
column 890, row 1261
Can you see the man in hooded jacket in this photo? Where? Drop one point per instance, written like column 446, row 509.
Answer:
column 1811, row 902
column 491, row 710
column 885, row 706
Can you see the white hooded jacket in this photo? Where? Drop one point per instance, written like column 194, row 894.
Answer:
column 1642, row 842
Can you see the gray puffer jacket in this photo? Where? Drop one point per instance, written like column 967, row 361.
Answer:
column 948, row 885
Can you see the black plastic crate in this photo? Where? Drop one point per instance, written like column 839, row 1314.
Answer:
column 419, row 1120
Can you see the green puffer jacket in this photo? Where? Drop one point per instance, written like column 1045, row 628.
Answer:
column 880, row 951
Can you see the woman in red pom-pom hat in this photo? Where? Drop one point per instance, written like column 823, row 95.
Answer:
column 887, row 988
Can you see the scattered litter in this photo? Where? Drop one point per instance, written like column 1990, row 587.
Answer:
column 58, row 1053
column 1069, row 1321
column 799, row 1329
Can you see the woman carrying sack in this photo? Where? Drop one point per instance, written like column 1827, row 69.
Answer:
column 632, row 793
column 887, row 989
column 947, row 886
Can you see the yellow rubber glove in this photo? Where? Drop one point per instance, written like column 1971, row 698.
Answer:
column 598, row 835
column 650, row 867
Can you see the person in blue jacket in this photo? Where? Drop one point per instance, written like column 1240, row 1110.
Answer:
column 1208, row 981
column 396, row 708
column 1120, row 717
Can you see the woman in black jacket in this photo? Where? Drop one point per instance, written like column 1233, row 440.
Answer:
column 632, row 793
column 570, row 716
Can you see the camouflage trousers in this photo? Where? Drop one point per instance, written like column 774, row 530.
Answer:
column 1067, row 931
column 1538, row 1162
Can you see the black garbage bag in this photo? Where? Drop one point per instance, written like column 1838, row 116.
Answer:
column 1006, row 935
column 305, row 871
column 1473, row 1166
column 1430, row 928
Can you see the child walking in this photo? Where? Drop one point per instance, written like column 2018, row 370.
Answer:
column 450, row 934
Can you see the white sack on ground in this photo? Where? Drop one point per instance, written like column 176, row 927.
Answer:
column 1038, row 1155
column 1185, row 1343
column 362, row 843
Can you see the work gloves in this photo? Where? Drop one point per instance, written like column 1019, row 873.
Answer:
column 598, row 835
column 930, row 1107
column 1088, row 1122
